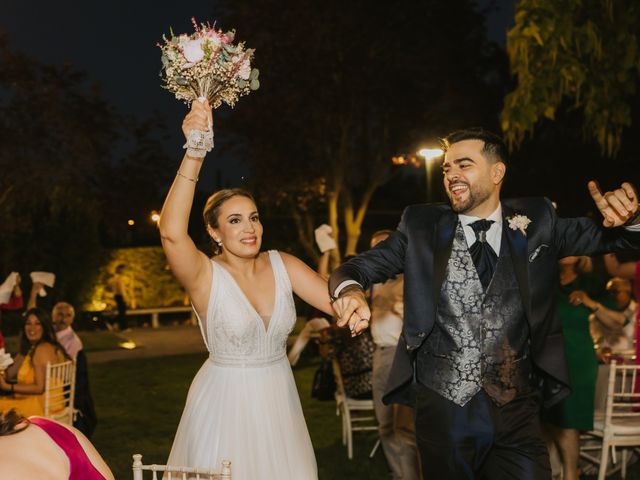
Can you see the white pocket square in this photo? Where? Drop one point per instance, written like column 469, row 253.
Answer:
column 537, row 252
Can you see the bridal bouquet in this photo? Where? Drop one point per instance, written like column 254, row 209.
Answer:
column 207, row 65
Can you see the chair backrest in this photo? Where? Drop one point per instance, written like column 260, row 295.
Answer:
column 59, row 391
column 623, row 392
column 170, row 472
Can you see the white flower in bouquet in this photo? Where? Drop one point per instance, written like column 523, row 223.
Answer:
column 5, row 359
column 207, row 64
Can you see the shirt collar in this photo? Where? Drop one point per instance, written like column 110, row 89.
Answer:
column 65, row 331
column 496, row 216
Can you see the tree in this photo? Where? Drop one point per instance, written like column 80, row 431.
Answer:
column 61, row 187
column 573, row 54
column 55, row 134
column 345, row 87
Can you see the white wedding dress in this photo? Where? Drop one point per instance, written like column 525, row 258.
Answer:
column 243, row 405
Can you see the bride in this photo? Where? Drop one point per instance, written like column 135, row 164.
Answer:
column 243, row 405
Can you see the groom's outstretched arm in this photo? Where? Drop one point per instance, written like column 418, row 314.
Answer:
column 348, row 283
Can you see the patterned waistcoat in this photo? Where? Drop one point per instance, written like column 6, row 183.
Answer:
column 480, row 339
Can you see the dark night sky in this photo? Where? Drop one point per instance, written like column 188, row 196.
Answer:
column 115, row 43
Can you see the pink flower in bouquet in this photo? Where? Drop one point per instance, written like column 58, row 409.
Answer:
column 245, row 69
column 192, row 50
column 214, row 38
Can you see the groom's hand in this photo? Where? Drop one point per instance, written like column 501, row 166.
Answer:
column 617, row 206
column 352, row 310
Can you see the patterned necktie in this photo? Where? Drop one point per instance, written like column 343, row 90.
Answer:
column 484, row 258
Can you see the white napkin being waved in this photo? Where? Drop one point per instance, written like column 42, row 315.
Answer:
column 324, row 239
column 6, row 289
column 46, row 278
column 5, row 360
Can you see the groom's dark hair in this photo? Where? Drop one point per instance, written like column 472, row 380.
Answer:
column 494, row 146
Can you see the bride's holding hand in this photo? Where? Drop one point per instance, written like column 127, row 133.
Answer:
column 243, row 405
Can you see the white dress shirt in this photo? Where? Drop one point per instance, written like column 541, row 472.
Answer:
column 70, row 341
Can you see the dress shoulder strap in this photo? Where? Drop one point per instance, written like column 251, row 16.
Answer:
column 279, row 270
column 80, row 467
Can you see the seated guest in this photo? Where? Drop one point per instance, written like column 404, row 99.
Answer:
column 63, row 315
column 38, row 346
column 37, row 447
column 355, row 357
column 612, row 323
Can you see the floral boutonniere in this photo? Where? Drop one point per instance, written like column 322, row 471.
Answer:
column 519, row 222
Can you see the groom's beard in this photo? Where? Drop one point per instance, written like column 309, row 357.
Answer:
column 477, row 195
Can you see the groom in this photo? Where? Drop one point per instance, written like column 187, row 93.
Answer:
column 482, row 346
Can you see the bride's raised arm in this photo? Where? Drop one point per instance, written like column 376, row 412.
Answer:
column 191, row 267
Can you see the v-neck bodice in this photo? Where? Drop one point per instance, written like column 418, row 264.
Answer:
column 234, row 332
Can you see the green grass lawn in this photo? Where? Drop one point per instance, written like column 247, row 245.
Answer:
column 139, row 403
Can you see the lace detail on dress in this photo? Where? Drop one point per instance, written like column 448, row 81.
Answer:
column 234, row 332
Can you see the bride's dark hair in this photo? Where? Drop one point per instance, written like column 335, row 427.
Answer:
column 8, row 422
column 212, row 209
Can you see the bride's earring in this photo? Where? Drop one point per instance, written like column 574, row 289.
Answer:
column 218, row 241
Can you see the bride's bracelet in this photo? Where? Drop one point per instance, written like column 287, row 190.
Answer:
column 194, row 180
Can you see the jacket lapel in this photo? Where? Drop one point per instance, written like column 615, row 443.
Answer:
column 445, row 230
column 517, row 242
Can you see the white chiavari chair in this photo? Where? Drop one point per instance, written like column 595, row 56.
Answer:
column 619, row 424
column 170, row 472
column 59, row 392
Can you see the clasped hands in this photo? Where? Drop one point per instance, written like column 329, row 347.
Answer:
column 352, row 309
column 617, row 206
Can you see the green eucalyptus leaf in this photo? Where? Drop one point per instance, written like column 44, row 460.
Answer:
column 255, row 84
column 181, row 81
column 254, row 74
column 242, row 83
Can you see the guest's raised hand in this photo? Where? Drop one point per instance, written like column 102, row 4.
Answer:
column 37, row 286
column 579, row 297
column 616, row 206
column 352, row 310
column 199, row 118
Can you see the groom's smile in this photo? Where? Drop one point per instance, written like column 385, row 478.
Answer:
column 469, row 179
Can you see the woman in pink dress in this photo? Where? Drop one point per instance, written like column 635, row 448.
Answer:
column 47, row 450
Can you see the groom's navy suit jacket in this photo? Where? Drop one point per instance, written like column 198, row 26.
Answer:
column 420, row 248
